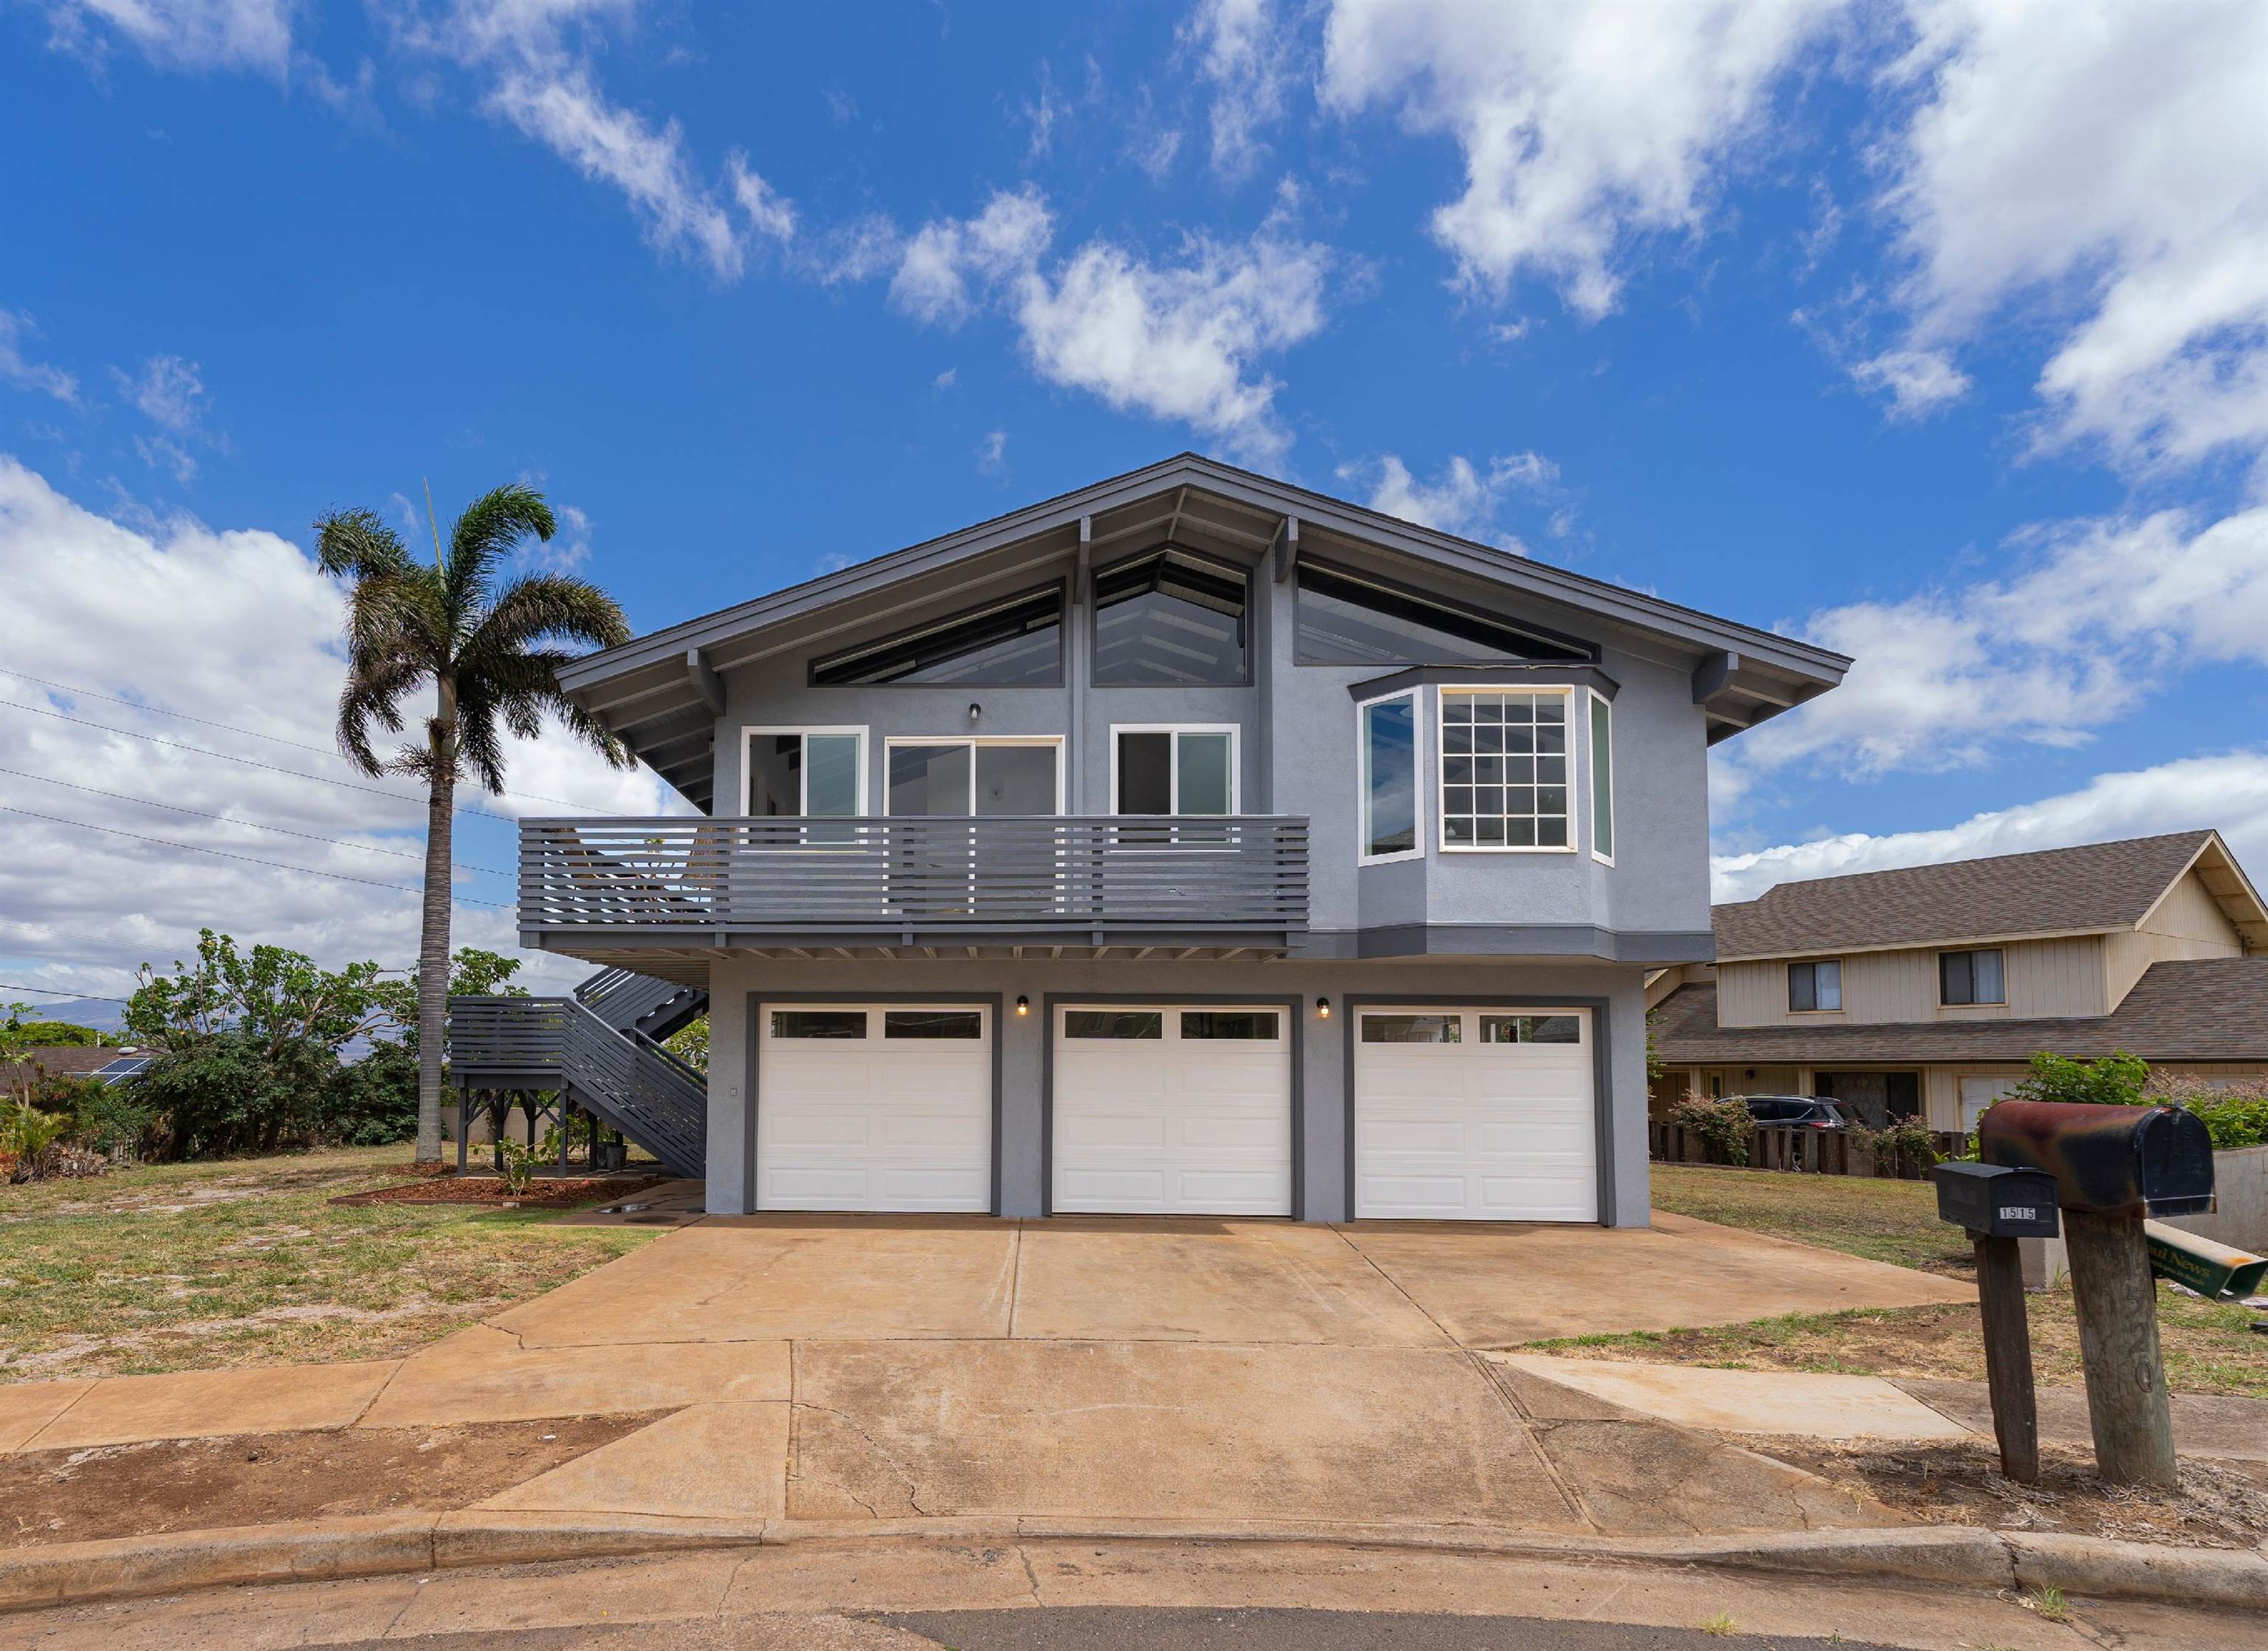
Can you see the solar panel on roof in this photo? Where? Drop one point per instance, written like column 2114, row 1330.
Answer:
column 124, row 1067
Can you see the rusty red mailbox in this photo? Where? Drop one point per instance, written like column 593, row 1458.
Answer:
column 2114, row 1166
column 2106, row 1160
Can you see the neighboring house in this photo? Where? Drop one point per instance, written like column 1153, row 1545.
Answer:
column 1188, row 843
column 1923, row 992
column 58, row 1060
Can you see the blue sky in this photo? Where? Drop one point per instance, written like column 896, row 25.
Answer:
column 1933, row 332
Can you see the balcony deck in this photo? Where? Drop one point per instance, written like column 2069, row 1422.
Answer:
column 663, row 895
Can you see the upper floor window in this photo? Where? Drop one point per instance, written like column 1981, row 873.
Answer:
column 1504, row 769
column 1172, row 770
column 1387, row 730
column 1014, row 643
column 1815, row 986
column 1347, row 618
column 808, row 773
column 1004, row 775
column 1171, row 620
column 1602, row 780
column 1977, row 976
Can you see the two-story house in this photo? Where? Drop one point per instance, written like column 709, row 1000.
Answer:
column 1188, row 843
column 1922, row 992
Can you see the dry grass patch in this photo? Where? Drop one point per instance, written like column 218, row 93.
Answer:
column 201, row 1266
column 2208, row 1348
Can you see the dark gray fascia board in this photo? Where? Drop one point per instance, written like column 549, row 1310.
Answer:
column 1540, row 675
column 1633, row 608
column 1528, row 939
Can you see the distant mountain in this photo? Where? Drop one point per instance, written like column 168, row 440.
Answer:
column 99, row 1013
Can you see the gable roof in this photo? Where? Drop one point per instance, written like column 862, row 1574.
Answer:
column 661, row 695
column 2091, row 889
column 2198, row 1009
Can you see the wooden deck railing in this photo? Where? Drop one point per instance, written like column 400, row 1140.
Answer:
column 1230, row 873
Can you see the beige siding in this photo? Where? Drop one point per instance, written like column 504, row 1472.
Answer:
column 2188, row 923
column 2044, row 978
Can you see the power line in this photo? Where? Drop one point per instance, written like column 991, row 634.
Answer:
column 338, row 842
column 196, row 848
column 297, row 745
column 49, row 991
column 320, row 779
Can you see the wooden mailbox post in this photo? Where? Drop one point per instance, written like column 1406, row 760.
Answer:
column 1998, row 1206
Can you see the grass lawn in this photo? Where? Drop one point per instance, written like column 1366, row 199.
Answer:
column 2208, row 1348
column 197, row 1266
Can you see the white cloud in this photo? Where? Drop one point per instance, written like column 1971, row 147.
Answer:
column 769, row 212
column 183, row 33
column 170, row 392
column 1582, row 127
column 1244, row 51
column 2228, row 793
column 561, row 108
column 946, row 265
column 1464, row 500
column 2107, row 163
column 1917, row 381
column 992, row 453
column 2078, row 635
column 1177, row 341
column 15, row 328
column 238, row 628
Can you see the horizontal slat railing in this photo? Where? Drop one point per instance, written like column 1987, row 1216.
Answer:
column 634, row 1087
column 1034, row 873
column 622, row 999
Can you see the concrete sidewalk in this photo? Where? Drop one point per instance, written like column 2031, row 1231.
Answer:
column 866, row 1369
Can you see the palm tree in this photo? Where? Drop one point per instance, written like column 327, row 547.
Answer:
column 489, row 654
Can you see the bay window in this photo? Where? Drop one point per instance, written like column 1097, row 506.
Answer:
column 1387, row 738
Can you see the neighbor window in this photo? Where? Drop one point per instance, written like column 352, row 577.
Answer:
column 1817, row 986
column 1979, row 976
column 1504, row 770
column 1015, row 643
column 1174, row 770
column 1171, row 620
column 1602, row 780
column 805, row 773
column 1348, row 618
column 1389, row 735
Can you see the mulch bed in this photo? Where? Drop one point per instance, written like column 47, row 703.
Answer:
column 2220, row 1504
column 546, row 1194
column 50, row 1496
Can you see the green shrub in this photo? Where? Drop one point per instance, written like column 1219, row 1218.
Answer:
column 2235, row 1114
column 373, row 1102
column 113, row 1119
column 1905, row 1150
column 1724, row 1126
column 2117, row 1080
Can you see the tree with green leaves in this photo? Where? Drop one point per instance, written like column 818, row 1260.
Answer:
column 488, row 648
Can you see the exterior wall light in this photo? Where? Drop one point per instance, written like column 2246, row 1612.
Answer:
column 1322, row 1009
column 1023, row 1005
column 974, row 711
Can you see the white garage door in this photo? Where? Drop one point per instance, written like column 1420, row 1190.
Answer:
column 1173, row 1109
column 1475, row 1115
column 874, row 1107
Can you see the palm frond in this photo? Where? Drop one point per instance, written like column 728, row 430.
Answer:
column 491, row 528
column 547, row 606
column 357, row 544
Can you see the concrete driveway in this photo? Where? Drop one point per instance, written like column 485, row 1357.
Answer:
column 846, row 1370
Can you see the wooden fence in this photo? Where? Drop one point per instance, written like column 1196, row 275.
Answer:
column 1805, row 1151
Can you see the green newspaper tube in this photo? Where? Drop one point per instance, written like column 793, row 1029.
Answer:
column 2215, row 1272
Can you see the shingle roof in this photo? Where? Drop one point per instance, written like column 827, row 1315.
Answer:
column 2054, row 891
column 2203, row 1009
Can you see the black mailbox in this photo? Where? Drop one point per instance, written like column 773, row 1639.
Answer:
column 2106, row 1160
column 1997, row 1201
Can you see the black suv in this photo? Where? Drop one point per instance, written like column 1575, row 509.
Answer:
column 1804, row 1111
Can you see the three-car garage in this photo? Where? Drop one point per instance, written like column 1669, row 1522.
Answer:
column 1452, row 1112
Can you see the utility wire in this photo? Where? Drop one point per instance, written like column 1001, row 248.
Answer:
column 196, row 848
column 49, row 991
column 320, row 779
column 310, row 836
column 297, row 745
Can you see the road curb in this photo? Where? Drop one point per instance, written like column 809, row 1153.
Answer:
column 385, row 1545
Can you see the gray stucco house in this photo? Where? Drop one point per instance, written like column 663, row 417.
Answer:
column 1191, row 843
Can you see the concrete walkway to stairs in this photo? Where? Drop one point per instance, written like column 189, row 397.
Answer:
column 857, row 1369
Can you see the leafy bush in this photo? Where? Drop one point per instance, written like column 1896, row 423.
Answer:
column 116, row 1120
column 26, row 1133
column 2236, row 1115
column 2117, row 1080
column 373, row 1102
column 1724, row 1126
column 1904, row 1150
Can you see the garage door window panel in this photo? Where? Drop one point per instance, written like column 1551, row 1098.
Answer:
column 1413, row 1028
column 1121, row 1024
column 819, row 1023
column 955, row 1024
column 1229, row 1025
column 1531, row 1029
